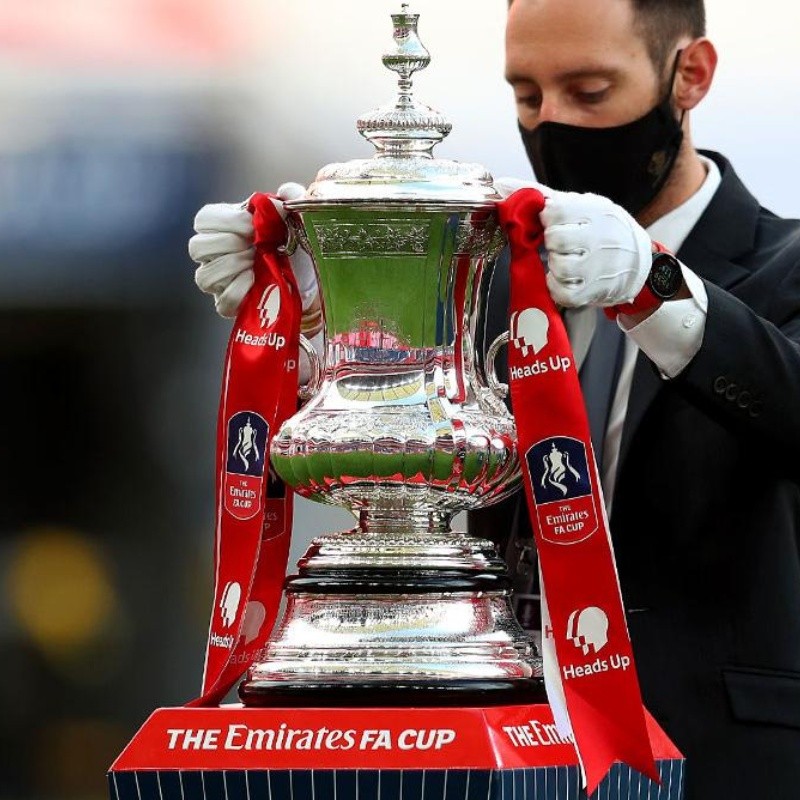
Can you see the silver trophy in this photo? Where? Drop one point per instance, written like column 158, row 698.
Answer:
column 402, row 429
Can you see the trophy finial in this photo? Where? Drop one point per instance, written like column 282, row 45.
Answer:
column 409, row 54
column 405, row 127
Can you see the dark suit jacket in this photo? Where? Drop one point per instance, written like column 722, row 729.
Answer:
column 706, row 512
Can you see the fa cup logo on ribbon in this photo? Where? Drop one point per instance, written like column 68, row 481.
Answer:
column 244, row 472
column 562, row 490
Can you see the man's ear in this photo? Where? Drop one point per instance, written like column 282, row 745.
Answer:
column 696, row 67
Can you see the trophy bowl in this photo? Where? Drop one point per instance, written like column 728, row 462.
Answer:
column 403, row 429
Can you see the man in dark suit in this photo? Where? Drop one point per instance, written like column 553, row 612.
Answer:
column 694, row 394
column 697, row 415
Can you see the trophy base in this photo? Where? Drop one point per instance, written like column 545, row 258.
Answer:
column 392, row 694
column 410, row 618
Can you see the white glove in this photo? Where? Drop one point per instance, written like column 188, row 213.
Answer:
column 223, row 248
column 505, row 187
column 597, row 253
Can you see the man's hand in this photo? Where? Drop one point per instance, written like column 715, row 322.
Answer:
column 598, row 255
column 223, row 250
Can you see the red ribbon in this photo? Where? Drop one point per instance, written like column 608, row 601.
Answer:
column 254, row 508
column 565, row 502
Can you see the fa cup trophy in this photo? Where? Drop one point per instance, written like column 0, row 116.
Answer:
column 403, row 429
column 399, row 659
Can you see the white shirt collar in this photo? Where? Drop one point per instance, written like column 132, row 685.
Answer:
column 672, row 229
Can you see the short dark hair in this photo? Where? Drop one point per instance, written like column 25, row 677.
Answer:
column 662, row 22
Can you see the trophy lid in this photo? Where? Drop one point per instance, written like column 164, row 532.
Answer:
column 404, row 133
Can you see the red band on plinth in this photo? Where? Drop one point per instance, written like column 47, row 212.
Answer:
column 254, row 508
column 565, row 502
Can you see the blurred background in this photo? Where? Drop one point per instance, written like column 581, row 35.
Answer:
column 118, row 119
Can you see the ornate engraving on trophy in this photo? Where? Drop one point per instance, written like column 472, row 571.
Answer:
column 297, row 236
column 497, row 243
column 363, row 239
column 474, row 237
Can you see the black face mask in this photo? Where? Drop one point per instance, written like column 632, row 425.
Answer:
column 628, row 163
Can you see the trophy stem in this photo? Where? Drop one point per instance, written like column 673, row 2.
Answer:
column 391, row 521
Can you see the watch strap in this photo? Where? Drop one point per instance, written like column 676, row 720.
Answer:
column 645, row 300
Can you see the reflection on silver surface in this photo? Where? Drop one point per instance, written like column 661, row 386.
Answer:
column 402, row 420
column 402, row 429
column 435, row 636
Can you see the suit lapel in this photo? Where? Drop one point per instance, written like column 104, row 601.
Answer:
column 724, row 232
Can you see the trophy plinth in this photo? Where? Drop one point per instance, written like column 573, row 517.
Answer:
column 402, row 430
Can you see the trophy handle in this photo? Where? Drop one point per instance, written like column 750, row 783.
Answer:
column 307, row 391
column 497, row 388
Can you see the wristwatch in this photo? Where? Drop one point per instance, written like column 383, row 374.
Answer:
column 663, row 282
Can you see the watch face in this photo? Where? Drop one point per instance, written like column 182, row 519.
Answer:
column 665, row 276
